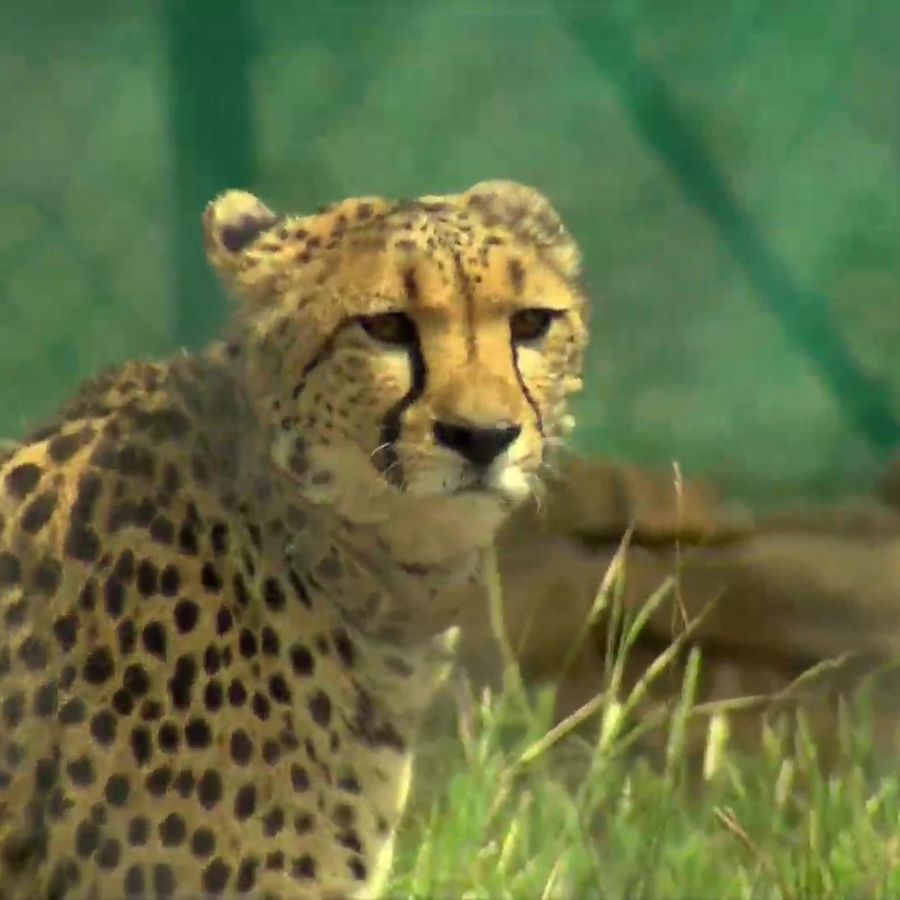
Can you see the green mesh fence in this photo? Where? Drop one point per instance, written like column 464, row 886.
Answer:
column 731, row 170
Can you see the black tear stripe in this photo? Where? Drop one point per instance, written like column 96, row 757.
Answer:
column 324, row 353
column 516, row 274
column 524, row 387
column 465, row 289
column 411, row 285
column 386, row 460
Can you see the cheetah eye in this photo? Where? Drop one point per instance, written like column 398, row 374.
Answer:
column 396, row 329
column 532, row 324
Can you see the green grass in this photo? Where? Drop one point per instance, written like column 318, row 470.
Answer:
column 509, row 807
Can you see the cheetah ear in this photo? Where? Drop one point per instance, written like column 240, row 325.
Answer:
column 528, row 214
column 232, row 223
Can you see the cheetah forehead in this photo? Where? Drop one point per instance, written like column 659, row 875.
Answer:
column 359, row 242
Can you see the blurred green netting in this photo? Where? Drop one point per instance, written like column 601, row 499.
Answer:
column 730, row 168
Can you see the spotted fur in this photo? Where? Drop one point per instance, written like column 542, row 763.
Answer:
column 221, row 575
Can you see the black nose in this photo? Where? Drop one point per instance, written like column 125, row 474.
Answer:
column 480, row 446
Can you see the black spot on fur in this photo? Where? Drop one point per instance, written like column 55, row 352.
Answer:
column 247, row 644
column 345, row 647
column 134, row 884
column 138, row 831
column 81, row 771
column 169, row 581
column 303, row 868
column 87, row 598
column 302, row 660
column 240, row 590
column 87, row 836
column 163, row 881
column 38, row 512
column 123, row 702
column 197, row 734
column 273, row 594
column 117, row 790
column 246, row 876
column 99, row 666
column 245, row 802
column 126, row 633
column 168, row 737
column 46, row 576
column 218, row 538
column 212, row 660
column 109, row 854
column 215, row 877
column 182, row 682
column 82, row 543
column 147, row 578
column 33, row 653
column 124, row 567
column 153, row 638
column 213, row 696
column 209, row 789
column 278, row 689
column 357, row 869
column 21, row 480
column 89, row 487
column 172, row 830
column 162, row 531
column 184, row 783
column 72, row 712
column 136, row 681
column 224, row 620
column 103, row 727
column 14, row 709
column 10, row 570
column 64, row 446
column 45, row 699
column 261, row 707
column 114, row 596
column 187, row 540
column 237, row 693
column 320, row 708
column 15, row 614
column 210, row 578
column 141, row 746
column 350, row 840
column 299, row 778
column 271, row 645
column 186, row 614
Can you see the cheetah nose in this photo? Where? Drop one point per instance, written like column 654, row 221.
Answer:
column 480, row 446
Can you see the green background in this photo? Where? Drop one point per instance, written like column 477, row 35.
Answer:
column 730, row 168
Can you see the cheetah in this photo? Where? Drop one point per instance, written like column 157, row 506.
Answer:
column 221, row 575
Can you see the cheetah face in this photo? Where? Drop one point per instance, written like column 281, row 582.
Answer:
column 459, row 417
column 421, row 350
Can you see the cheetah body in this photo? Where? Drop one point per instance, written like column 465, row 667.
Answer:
column 221, row 576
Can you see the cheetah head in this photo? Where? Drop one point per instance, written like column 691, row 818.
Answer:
column 408, row 360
